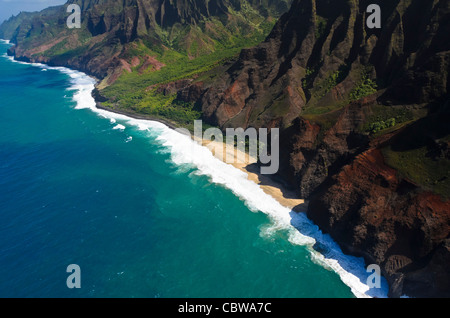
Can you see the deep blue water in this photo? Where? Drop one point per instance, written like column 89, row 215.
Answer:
column 74, row 190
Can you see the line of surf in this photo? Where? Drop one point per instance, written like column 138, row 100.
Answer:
column 184, row 151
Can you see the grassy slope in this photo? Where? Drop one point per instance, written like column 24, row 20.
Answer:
column 415, row 155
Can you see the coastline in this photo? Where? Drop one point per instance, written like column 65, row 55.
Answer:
column 301, row 230
column 133, row 115
column 364, row 143
column 287, row 213
column 270, row 185
column 285, row 210
column 284, row 195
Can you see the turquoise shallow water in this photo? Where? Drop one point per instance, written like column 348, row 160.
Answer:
column 78, row 188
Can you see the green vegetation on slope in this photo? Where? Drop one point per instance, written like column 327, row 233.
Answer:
column 417, row 166
column 421, row 154
column 184, row 52
column 170, row 41
column 138, row 91
column 364, row 88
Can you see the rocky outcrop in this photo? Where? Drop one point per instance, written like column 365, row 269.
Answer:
column 314, row 155
column 390, row 221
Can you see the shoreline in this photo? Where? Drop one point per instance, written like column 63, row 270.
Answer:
column 280, row 192
column 272, row 187
column 134, row 115
column 351, row 269
column 302, row 231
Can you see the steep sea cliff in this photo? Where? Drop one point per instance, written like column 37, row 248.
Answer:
column 93, row 180
column 364, row 116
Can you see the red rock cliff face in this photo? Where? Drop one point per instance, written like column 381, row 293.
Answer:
column 389, row 221
column 265, row 83
column 314, row 77
column 367, row 206
column 304, row 78
column 317, row 39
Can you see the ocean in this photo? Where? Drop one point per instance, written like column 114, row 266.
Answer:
column 141, row 209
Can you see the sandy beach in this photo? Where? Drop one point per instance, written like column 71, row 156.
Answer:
column 244, row 162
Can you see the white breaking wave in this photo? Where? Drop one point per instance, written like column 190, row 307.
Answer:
column 119, row 126
column 5, row 41
column 185, row 151
column 302, row 231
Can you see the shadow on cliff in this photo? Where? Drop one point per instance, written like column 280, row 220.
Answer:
column 273, row 180
column 424, row 132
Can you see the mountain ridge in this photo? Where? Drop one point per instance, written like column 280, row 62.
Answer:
column 187, row 26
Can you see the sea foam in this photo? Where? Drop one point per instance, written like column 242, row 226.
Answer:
column 185, row 151
column 119, row 127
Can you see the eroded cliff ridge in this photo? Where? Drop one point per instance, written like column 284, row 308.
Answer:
column 364, row 113
column 365, row 126
column 135, row 46
column 111, row 31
